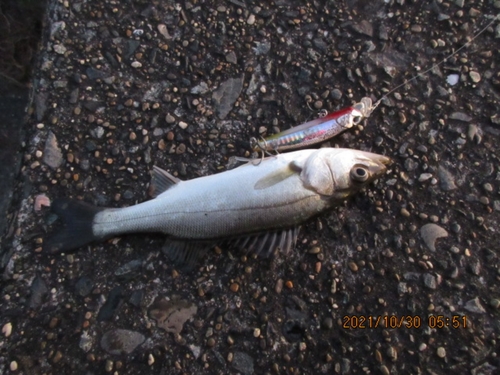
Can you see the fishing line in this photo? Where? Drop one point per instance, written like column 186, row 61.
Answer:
column 435, row 65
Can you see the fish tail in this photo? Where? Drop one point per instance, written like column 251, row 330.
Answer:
column 76, row 231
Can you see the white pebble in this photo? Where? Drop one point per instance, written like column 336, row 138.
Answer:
column 183, row 125
column 13, row 366
column 452, row 79
column 7, row 329
column 441, row 352
column 151, row 359
column 251, row 19
column 136, row 64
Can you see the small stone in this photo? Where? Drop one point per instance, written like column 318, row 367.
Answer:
column 424, row 177
column 243, row 363
column 171, row 315
column 441, row 352
column 475, row 76
column 13, row 366
column 183, row 125
column 495, row 303
column 52, row 155
column 405, row 212
column 473, row 12
column 452, row 79
column 7, row 329
column 231, row 57
column 430, row 281
column 446, row 179
column 121, row 341
column 136, row 64
column 251, row 19
column 353, row 266
column 234, row 287
column 162, row 29
column 336, row 94
column 460, row 116
column 474, row 306
column 430, row 233
column 59, row 49
column 57, row 357
column 151, row 359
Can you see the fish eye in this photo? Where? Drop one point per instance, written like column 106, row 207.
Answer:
column 359, row 173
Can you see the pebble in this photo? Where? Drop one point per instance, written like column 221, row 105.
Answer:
column 57, row 357
column 7, row 329
column 430, row 281
column 171, row 315
column 183, row 125
column 474, row 306
column 151, row 359
column 452, row 79
column 430, row 233
column 59, row 49
column 353, row 266
column 405, row 212
column 226, row 95
column 52, row 155
column 121, row 341
column 460, row 116
column 13, row 366
column 495, row 303
column 424, row 177
column 234, row 287
column 446, row 179
column 162, row 29
column 251, row 19
column 441, row 352
column 475, row 76
column 243, row 363
column 136, row 64
column 336, row 94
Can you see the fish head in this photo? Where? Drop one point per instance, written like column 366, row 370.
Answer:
column 338, row 173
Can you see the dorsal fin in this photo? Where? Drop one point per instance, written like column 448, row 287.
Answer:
column 161, row 181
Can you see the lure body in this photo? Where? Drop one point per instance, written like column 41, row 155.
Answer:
column 315, row 131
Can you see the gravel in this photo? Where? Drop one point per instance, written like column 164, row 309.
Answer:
column 123, row 87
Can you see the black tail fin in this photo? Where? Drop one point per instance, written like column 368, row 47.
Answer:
column 76, row 230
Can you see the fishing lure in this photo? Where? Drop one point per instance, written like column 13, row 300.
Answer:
column 315, row 131
column 328, row 126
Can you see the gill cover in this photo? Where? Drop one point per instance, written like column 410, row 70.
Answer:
column 316, row 174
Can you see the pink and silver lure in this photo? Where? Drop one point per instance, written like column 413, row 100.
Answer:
column 315, row 131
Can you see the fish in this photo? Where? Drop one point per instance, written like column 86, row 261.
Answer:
column 258, row 207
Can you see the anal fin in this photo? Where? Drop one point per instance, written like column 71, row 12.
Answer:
column 267, row 243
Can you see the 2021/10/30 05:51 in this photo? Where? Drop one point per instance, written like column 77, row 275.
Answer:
column 405, row 321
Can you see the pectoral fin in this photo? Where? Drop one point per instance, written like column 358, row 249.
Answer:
column 276, row 177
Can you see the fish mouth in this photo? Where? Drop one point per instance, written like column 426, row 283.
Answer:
column 378, row 164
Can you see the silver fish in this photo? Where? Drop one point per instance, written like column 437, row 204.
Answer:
column 261, row 205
